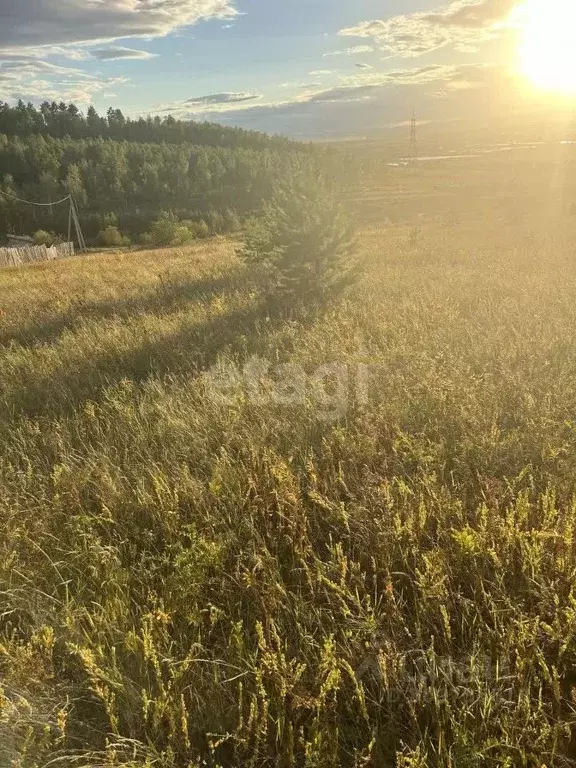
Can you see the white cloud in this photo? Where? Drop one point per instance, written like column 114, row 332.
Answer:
column 380, row 100
column 40, row 23
column 32, row 30
column 300, row 86
column 321, row 72
column 212, row 102
column 34, row 80
column 445, row 75
column 20, row 67
column 352, row 88
column 354, row 51
column 36, row 54
column 473, row 13
column 222, row 98
column 462, row 23
column 433, row 73
column 406, row 36
column 114, row 53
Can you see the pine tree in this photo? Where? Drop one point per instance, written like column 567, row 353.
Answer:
column 305, row 242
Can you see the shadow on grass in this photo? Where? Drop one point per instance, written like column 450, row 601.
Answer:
column 166, row 298
column 192, row 349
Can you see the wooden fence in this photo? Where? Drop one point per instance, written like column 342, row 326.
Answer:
column 16, row 257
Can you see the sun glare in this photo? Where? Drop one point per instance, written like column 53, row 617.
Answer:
column 548, row 50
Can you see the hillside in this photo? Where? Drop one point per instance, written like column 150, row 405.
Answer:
column 125, row 173
column 219, row 569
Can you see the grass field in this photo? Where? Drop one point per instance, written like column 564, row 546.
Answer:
column 365, row 557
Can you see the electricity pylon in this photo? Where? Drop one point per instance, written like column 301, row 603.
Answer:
column 413, row 138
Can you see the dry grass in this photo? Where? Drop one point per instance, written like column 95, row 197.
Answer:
column 186, row 582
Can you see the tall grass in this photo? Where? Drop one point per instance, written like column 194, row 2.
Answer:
column 186, row 581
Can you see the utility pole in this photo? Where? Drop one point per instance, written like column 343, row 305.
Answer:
column 413, row 155
column 76, row 220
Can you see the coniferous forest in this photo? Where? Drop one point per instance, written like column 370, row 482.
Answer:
column 125, row 173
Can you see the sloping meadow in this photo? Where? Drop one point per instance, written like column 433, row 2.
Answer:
column 345, row 541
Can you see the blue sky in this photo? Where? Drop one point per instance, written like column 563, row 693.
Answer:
column 270, row 45
column 309, row 68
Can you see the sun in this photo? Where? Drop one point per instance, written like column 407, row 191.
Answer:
column 548, row 47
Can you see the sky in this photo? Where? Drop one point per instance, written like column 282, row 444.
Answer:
column 306, row 68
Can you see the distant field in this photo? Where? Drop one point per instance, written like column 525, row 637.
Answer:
column 365, row 564
column 493, row 196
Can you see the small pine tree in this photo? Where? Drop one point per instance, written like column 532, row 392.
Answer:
column 306, row 243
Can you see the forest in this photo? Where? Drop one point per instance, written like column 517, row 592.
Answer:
column 61, row 119
column 125, row 174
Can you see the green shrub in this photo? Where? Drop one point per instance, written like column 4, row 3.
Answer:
column 305, row 240
column 168, row 230
column 163, row 230
column 42, row 237
column 182, row 236
column 112, row 237
column 200, row 229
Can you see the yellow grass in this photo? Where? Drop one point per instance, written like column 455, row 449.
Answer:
column 376, row 572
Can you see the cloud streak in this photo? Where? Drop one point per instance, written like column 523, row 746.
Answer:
column 473, row 13
column 354, row 51
column 222, row 98
column 30, row 79
column 368, row 102
column 36, row 23
column 361, row 87
column 463, row 23
column 118, row 52
column 215, row 103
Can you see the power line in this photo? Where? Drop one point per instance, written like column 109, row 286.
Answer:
column 73, row 216
column 28, row 202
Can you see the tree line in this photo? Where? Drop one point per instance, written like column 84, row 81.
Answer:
column 153, row 180
column 128, row 185
column 60, row 120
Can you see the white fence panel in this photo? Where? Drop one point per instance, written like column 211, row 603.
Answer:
column 15, row 257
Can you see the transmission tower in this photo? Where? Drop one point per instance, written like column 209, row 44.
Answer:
column 413, row 138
